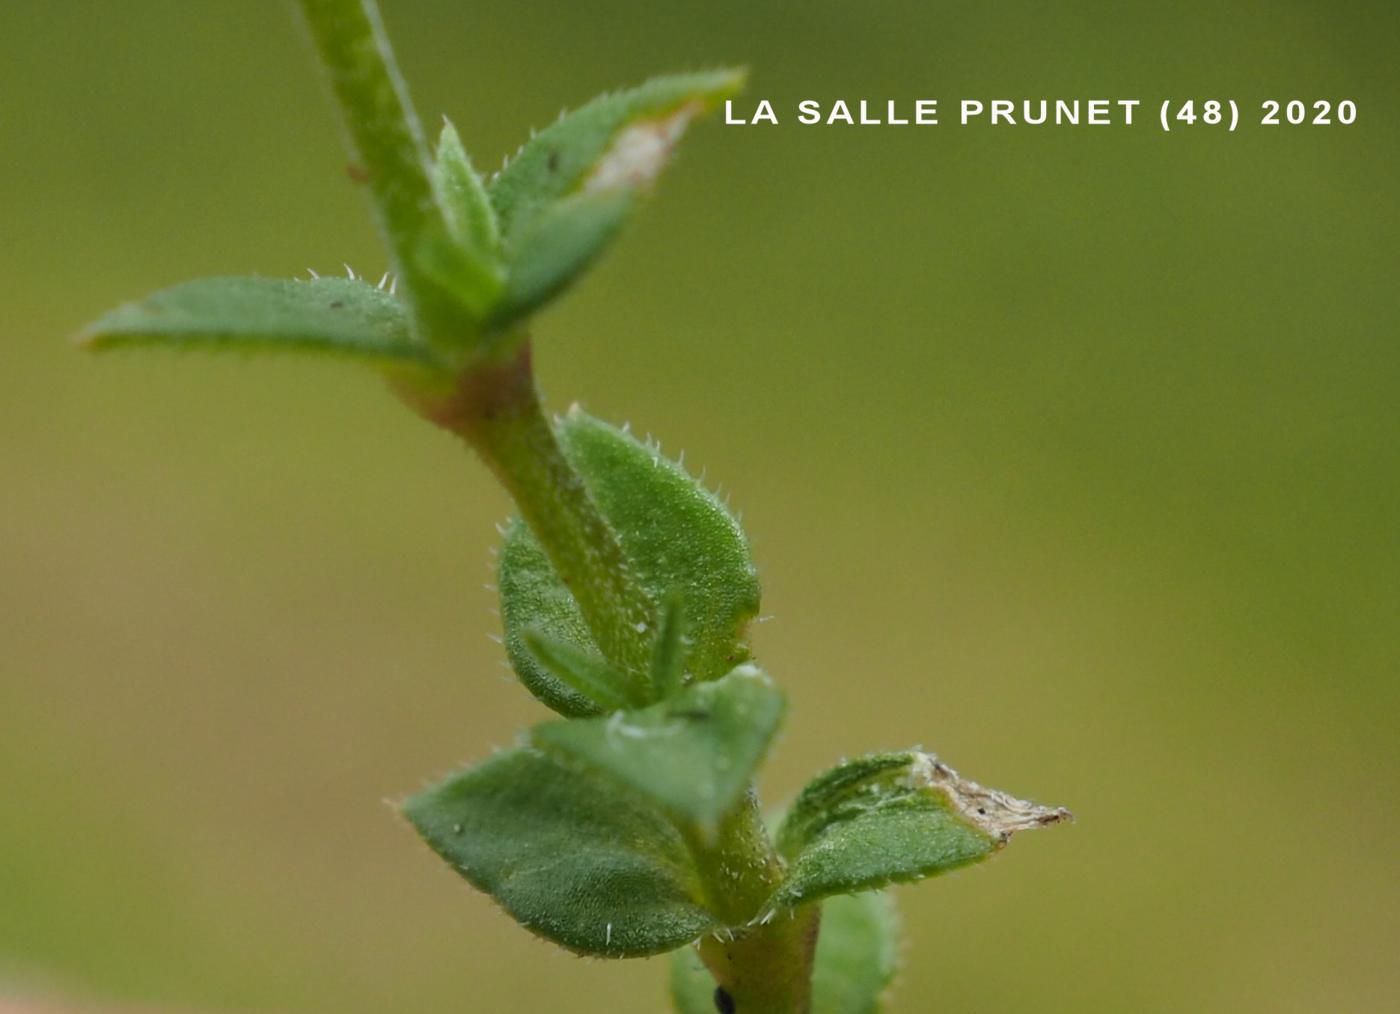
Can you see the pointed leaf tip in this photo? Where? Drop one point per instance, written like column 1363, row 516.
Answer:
column 992, row 811
column 465, row 258
column 560, row 158
column 460, row 188
column 567, row 193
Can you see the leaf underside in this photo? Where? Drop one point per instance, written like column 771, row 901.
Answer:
column 570, row 857
column 694, row 755
column 335, row 316
column 679, row 539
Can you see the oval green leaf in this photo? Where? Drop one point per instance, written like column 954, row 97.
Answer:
column 569, row 856
column 679, row 538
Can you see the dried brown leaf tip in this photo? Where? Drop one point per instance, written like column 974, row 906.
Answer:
column 997, row 813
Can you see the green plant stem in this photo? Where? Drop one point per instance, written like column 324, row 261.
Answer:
column 768, row 966
column 386, row 142
column 493, row 405
column 497, row 410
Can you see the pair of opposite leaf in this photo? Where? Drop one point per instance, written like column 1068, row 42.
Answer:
column 508, row 246
column 583, row 832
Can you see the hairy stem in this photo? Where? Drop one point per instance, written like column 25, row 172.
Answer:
column 384, row 138
column 767, row 967
column 497, row 410
column 492, row 403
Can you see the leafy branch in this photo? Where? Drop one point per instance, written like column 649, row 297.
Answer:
column 629, row 826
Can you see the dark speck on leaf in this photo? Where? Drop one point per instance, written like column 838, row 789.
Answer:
column 337, row 305
column 694, row 714
column 357, row 173
column 553, row 161
column 724, row 1003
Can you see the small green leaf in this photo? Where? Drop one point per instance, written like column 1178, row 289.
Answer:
column 558, row 247
column 564, row 197
column 693, row 754
column 570, row 857
column 589, row 674
column 337, row 316
column 534, row 600
column 617, row 140
column 470, row 216
column 855, row 960
column 679, row 538
column 666, row 661
column 473, row 283
column 857, row 954
column 890, row 818
column 677, row 534
column 466, row 260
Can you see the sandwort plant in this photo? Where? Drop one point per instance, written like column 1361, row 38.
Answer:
column 628, row 826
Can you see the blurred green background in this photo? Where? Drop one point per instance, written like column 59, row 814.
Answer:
column 1071, row 454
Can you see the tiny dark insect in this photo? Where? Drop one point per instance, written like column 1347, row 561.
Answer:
column 357, row 173
column 553, row 161
column 724, row 1003
column 694, row 714
column 337, row 305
